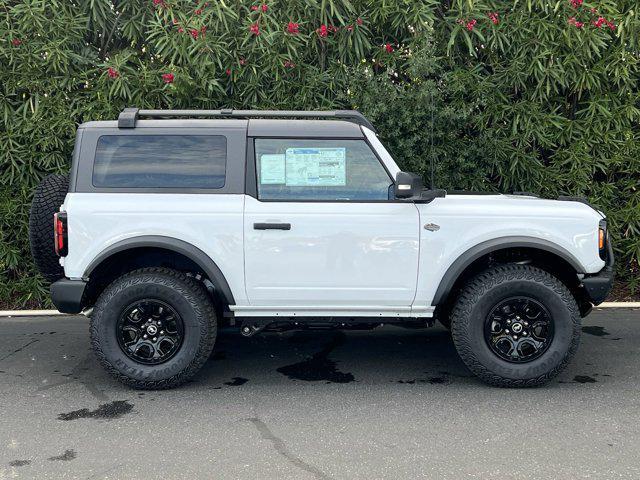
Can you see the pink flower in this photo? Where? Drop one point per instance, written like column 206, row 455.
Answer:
column 470, row 24
column 255, row 28
column 174, row 21
column 289, row 64
column 180, row 30
column 265, row 7
column 349, row 28
column 576, row 3
column 493, row 16
column 292, row 28
column 359, row 21
column 243, row 61
column 254, row 8
column 112, row 72
column 388, row 48
column 167, row 77
column 158, row 3
column 16, row 42
column 194, row 33
column 228, row 71
column 575, row 23
column 332, row 28
column 198, row 11
column 203, row 29
column 322, row 31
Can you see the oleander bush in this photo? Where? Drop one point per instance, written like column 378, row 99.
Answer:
column 537, row 96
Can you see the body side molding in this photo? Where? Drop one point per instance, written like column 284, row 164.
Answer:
column 483, row 248
column 179, row 246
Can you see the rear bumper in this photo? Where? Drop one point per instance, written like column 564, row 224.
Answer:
column 67, row 295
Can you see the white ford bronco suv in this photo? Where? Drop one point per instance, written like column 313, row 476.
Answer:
column 174, row 222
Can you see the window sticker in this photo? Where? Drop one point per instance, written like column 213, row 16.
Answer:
column 315, row 167
column 272, row 169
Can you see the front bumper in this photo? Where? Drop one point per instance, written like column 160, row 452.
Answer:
column 599, row 285
column 67, row 295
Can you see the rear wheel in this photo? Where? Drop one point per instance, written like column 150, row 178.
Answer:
column 153, row 328
column 516, row 326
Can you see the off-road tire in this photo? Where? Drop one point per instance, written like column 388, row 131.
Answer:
column 188, row 297
column 47, row 199
column 490, row 287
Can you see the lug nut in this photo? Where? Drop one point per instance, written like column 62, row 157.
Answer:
column 524, row 333
column 144, row 336
column 506, row 330
column 161, row 332
column 526, row 324
column 515, row 337
column 154, row 339
column 509, row 322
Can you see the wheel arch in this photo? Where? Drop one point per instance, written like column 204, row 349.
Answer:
column 158, row 242
column 464, row 262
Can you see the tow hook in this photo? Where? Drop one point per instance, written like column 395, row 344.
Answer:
column 251, row 330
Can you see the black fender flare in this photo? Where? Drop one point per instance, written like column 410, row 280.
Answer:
column 471, row 255
column 190, row 251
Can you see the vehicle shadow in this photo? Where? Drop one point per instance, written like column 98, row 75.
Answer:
column 387, row 354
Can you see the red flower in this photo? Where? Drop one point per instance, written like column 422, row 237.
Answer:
column 203, row 29
column 158, row 3
column 180, row 30
column 576, row 3
column 359, row 21
column 194, row 33
column 255, row 28
column 228, row 71
column 292, row 28
column 289, row 64
column 322, row 31
column 16, row 42
column 349, row 28
column 603, row 21
column 493, row 16
column 198, row 11
column 112, row 72
column 265, row 7
column 470, row 24
column 388, row 48
column 254, row 8
column 332, row 29
column 167, row 77
column 575, row 23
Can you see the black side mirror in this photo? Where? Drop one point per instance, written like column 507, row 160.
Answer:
column 408, row 185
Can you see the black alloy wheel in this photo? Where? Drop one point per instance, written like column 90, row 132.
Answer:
column 150, row 331
column 519, row 329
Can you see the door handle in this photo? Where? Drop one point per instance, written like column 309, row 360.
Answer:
column 272, row 226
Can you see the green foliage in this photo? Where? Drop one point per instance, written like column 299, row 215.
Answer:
column 536, row 101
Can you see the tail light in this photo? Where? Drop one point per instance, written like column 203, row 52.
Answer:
column 60, row 237
column 602, row 239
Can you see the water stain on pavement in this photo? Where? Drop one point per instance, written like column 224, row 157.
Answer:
column 106, row 411
column 431, row 380
column 319, row 367
column 19, row 463
column 237, row 381
column 65, row 457
column 584, row 379
column 595, row 330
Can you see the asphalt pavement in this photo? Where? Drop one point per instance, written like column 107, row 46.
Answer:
column 392, row 403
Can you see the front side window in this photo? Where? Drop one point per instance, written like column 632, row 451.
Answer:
column 160, row 161
column 325, row 170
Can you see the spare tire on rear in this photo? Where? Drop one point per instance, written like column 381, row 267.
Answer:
column 47, row 199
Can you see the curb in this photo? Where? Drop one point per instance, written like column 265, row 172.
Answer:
column 46, row 313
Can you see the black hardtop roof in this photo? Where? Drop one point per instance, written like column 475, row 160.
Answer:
column 128, row 118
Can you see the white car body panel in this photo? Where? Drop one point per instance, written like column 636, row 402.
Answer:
column 339, row 258
column 336, row 254
column 212, row 223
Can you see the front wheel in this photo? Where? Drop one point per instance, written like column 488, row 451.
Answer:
column 153, row 328
column 516, row 326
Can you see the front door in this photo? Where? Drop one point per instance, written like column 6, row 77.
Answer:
column 323, row 231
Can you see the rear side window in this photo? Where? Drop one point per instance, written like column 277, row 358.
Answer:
column 160, row 161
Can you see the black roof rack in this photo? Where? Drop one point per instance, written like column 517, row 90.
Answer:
column 129, row 116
